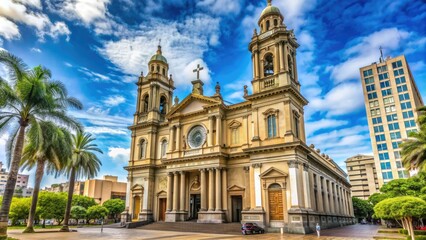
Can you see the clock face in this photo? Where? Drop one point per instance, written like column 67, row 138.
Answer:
column 197, row 137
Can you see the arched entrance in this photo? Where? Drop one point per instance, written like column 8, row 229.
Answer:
column 275, row 196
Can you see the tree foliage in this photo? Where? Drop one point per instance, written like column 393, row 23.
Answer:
column 97, row 212
column 402, row 208
column 52, row 205
column 362, row 208
column 78, row 212
column 83, row 201
column 413, row 149
column 19, row 209
column 115, row 207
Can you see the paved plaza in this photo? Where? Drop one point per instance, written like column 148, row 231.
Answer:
column 353, row 232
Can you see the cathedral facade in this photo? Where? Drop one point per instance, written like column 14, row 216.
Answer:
column 203, row 160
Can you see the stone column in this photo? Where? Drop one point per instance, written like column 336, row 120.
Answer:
column 253, row 67
column 326, row 200
column 337, row 201
column 257, row 185
column 247, row 201
column 312, row 191
column 175, row 191
column 171, row 139
column 169, row 191
column 210, row 137
column 285, row 57
column 211, row 189
column 306, row 186
column 128, row 195
column 293, row 167
column 182, row 190
column 178, row 137
column 153, row 144
column 319, row 195
column 218, row 130
column 281, row 56
column 277, row 58
column 332, row 203
column 154, row 99
column 346, row 202
column 224, row 189
column 151, row 99
column 145, row 196
column 256, row 56
column 295, row 67
column 218, row 190
column 351, row 206
column 342, row 208
column 288, row 127
column 203, row 181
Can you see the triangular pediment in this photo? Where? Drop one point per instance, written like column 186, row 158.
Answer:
column 191, row 104
column 234, row 124
column 273, row 173
column 236, row 188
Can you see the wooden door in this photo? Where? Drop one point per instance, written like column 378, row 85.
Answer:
column 276, row 205
column 162, row 210
column 136, row 207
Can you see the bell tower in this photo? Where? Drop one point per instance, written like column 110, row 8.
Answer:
column 155, row 91
column 273, row 52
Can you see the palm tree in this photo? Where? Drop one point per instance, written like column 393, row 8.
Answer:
column 83, row 164
column 47, row 146
column 28, row 97
column 414, row 150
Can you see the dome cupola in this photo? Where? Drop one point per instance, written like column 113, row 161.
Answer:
column 270, row 17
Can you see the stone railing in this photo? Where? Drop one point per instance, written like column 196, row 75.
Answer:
column 269, row 82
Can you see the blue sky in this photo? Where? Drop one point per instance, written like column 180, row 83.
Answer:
column 99, row 47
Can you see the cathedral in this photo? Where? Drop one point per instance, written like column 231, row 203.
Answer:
column 200, row 159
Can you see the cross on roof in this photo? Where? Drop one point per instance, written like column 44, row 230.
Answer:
column 197, row 70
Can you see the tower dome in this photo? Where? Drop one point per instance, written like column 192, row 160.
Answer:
column 270, row 17
column 158, row 56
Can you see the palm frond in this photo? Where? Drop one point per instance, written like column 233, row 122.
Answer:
column 17, row 68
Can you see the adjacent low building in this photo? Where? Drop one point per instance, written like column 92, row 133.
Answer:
column 99, row 189
column 362, row 175
column 21, row 187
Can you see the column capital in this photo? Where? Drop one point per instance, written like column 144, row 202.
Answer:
column 293, row 164
column 246, row 168
column 182, row 172
column 170, row 174
column 305, row 167
column 202, row 169
column 176, row 173
column 256, row 165
column 210, row 169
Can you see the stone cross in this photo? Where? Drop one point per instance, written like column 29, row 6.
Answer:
column 197, row 70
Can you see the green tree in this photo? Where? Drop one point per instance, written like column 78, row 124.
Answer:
column 377, row 197
column 362, row 208
column 115, row 207
column 19, row 209
column 28, row 97
column 52, row 205
column 97, row 212
column 83, row 201
column 84, row 163
column 78, row 213
column 402, row 208
column 47, row 146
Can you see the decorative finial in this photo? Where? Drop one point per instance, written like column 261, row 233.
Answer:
column 176, row 100
column 142, row 74
column 171, row 77
column 217, row 88
column 245, row 91
column 269, row 2
column 159, row 47
column 254, row 32
column 197, row 70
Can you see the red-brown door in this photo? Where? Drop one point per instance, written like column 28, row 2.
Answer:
column 162, row 210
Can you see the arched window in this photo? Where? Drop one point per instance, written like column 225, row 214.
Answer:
column 274, row 186
column 272, row 126
column 158, row 69
column 152, row 68
column 296, row 126
column 267, row 25
column 145, row 103
column 163, row 148
column 164, row 72
column 142, row 148
column 268, row 65
column 261, row 27
column 275, row 22
column 163, row 105
column 290, row 66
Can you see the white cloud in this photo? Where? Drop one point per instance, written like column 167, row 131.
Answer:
column 221, row 6
column 13, row 12
column 68, row 64
column 37, row 50
column 119, row 155
column 94, row 76
column 342, row 99
column 105, row 130
column 86, row 10
column 366, row 51
column 8, row 29
column 183, row 44
column 312, row 127
column 3, row 139
column 114, row 100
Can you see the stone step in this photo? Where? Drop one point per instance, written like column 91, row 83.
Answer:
column 190, row 226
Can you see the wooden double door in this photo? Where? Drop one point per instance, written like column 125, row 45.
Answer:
column 276, row 205
column 162, row 205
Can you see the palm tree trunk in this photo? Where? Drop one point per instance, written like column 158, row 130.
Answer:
column 65, row 227
column 38, row 178
column 11, row 180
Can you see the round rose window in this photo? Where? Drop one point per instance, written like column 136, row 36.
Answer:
column 197, row 137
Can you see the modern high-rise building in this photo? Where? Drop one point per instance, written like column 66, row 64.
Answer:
column 362, row 175
column 391, row 99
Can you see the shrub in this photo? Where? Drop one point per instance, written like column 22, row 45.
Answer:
column 417, row 237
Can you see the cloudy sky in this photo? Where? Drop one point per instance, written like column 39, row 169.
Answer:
column 99, row 47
